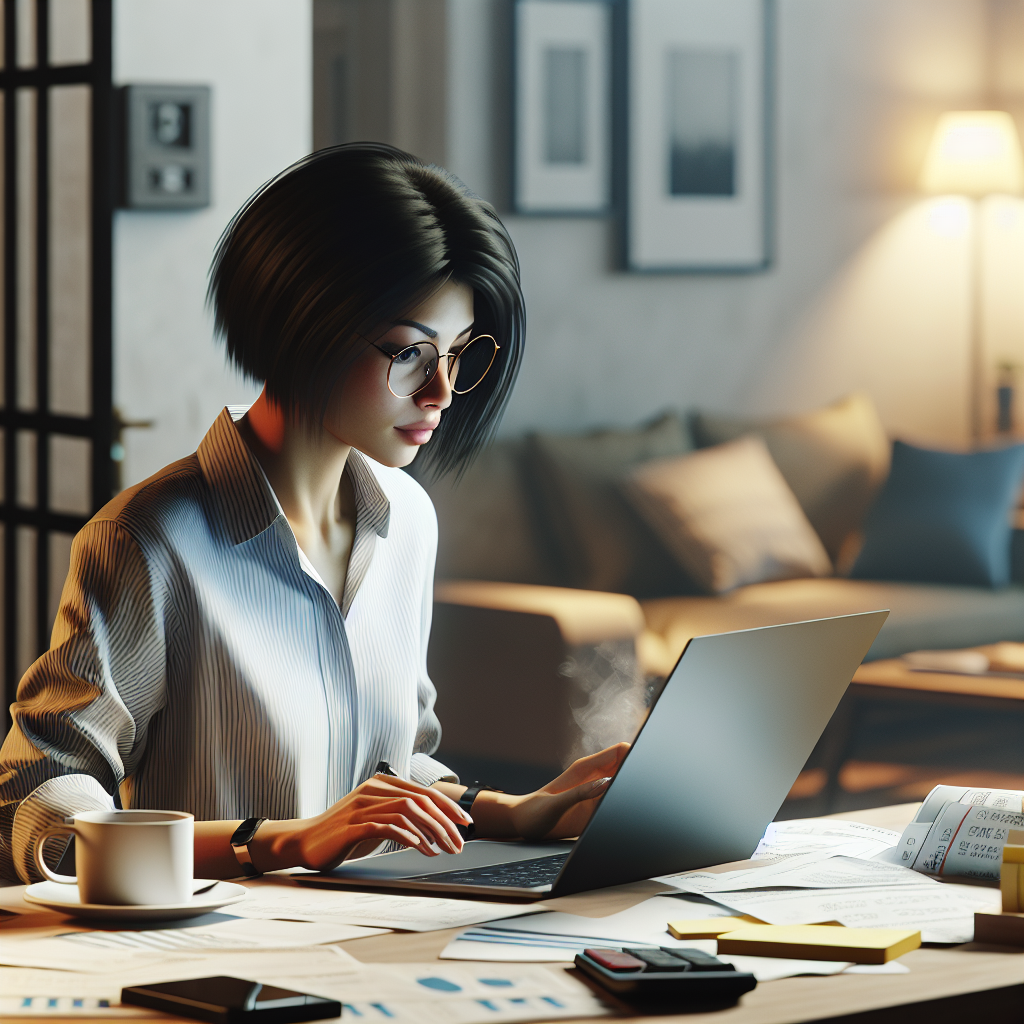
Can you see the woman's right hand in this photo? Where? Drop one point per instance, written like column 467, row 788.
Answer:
column 382, row 808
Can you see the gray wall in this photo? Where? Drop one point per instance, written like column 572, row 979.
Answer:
column 870, row 286
column 869, row 290
column 257, row 56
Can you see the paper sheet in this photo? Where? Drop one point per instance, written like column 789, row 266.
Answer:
column 966, row 840
column 555, row 937
column 81, row 950
column 424, row 993
column 892, row 967
column 943, row 913
column 762, row 967
column 823, row 835
column 808, row 871
column 435, row 993
column 1004, row 799
column 909, row 846
column 645, row 923
column 86, row 1007
column 39, row 986
column 271, row 898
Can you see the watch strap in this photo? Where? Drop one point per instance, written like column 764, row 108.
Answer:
column 240, row 840
column 466, row 803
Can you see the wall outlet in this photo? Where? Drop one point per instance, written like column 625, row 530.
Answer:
column 165, row 147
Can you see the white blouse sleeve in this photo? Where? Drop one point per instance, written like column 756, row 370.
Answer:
column 423, row 768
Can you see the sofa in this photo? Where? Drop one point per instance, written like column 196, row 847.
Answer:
column 559, row 610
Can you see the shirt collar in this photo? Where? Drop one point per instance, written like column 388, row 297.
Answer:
column 247, row 503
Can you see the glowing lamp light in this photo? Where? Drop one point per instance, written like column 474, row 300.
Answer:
column 974, row 153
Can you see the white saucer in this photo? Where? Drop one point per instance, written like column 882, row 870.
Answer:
column 65, row 900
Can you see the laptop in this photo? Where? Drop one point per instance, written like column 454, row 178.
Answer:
column 724, row 742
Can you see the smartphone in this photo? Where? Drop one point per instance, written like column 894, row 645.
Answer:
column 231, row 1001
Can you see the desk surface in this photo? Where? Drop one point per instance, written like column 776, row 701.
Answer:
column 935, row 973
column 961, row 974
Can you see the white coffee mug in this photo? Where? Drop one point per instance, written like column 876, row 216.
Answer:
column 127, row 858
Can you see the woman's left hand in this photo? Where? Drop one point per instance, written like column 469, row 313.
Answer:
column 562, row 808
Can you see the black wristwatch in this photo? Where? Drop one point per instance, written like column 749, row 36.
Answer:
column 466, row 803
column 240, row 840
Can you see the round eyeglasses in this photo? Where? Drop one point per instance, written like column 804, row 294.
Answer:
column 415, row 366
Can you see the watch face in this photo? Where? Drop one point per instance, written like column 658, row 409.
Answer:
column 244, row 833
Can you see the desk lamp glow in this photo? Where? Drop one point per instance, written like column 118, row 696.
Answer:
column 975, row 153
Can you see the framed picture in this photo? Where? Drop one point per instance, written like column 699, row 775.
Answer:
column 697, row 135
column 562, row 106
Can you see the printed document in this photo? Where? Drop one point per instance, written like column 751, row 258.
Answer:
column 943, row 913
column 555, row 937
column 964, row 840
column 434, row 993
column 823, row 835
column 273, row 898
column 421, row 993
column 83, row 950
column 806, row 871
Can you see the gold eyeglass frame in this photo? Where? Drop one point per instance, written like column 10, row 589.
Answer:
column 452, row 358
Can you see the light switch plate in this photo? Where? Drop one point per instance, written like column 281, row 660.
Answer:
column 166, row 147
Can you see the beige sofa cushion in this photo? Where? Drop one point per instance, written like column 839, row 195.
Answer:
column 835, row 459
column 602, row 543
column 921, row 615
column 485, row 522
column 582, row 616
column 728, row 516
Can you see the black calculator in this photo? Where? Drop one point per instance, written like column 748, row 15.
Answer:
column 681, row 977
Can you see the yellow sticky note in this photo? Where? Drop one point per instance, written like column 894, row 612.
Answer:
column 1011, row 886
column 709, row 927
column 821, row 942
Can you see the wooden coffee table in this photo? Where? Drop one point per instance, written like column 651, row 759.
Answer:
column 893, row 679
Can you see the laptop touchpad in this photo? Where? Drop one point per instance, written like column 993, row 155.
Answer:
column 477, row 854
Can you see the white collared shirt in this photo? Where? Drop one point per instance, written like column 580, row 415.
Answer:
column 197, row 663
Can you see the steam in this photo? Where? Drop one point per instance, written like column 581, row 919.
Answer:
column 610, row 700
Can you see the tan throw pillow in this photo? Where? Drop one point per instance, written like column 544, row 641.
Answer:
column 601, row 542
column 728, row 516
column 486, row 527
column 835, row 460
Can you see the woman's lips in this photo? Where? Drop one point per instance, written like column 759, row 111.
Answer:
column 416, row 435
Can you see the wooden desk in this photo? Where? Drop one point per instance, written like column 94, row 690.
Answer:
column 943, row 984
column 942, row 981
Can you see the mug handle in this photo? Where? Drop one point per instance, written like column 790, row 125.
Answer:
column 37, row 854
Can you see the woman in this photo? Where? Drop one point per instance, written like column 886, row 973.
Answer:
column 243, row 635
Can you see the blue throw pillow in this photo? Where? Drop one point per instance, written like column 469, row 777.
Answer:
column 943, row 517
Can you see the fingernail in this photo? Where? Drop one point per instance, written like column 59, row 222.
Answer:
column 416, row 842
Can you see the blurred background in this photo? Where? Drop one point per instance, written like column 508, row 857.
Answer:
column 870, row 284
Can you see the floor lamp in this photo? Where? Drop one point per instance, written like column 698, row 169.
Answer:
column 975, row 153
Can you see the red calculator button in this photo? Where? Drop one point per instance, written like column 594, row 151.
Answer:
column 613, row 960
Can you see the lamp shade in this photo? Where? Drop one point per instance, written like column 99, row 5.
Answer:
column 974, row 153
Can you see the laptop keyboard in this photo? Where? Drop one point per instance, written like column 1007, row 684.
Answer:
column 522, row 874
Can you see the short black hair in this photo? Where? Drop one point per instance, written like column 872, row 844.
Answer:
column 340, row 245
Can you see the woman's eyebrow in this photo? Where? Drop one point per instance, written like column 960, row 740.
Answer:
column 428, row 331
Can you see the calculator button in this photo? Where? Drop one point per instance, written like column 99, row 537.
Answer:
column 659, row 960
column 613, row 960
column 699, row 960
